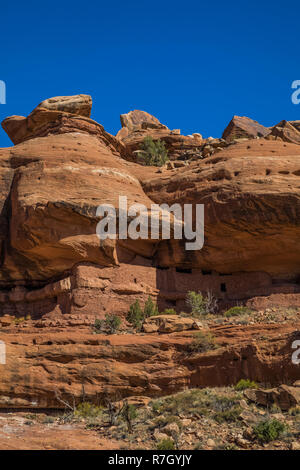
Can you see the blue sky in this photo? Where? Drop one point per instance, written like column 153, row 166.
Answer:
column 192, row 64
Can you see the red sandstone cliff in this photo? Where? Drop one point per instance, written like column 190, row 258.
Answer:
column 63, row 166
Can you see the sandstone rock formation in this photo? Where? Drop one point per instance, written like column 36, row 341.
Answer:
column 78, row 104
column 54, row 268
column 67, row 165
column 285, row 397
column 243, row 127
column 140, row 119
column 72, row 111
column 286, row 131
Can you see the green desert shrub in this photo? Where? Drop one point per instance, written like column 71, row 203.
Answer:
column 200, row 401
column 98, row 325
column 203, row 342
column 153, row 152
column 168, row 311
column 165, row 444
column 237, row 311
column 190, row 401
column 88, row 410
column 129, row 414
column 110, row 324
column 136, row 315
column 269, row 430
column 243, row 384
column 200, row 305
column 221, row 403
column 150, row 308
column 228, row 416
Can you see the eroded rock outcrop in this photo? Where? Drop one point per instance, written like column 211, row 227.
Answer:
column 286, row 131
column 285, row 396
column 53, row 116
column 140, row 119
column 244, row 127
column 78, row 104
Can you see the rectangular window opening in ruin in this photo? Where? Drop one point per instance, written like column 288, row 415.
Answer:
column 206, row 273
column 223, row 287
column 184, row 270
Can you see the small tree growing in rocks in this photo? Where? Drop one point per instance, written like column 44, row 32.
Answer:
column 135, row 315
column 110, row 324
column 150, row 309
column 201, row 305
column 153, row 152
column 129, row 414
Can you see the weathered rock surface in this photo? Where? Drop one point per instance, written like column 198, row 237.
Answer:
column 78, row 104
column 46, row 365
column 285, row 396
column 140, row 119
column 286, row 131
column 244, row 127
column 53, row 116
column 169, row 324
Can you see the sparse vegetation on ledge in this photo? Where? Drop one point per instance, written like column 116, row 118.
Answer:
column 209, row 418
column 153, row 152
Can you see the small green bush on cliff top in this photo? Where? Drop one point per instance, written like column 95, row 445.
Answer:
column 153, row 152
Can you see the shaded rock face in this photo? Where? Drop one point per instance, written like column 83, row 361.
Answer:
column 243, row 127
column 67, row 165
